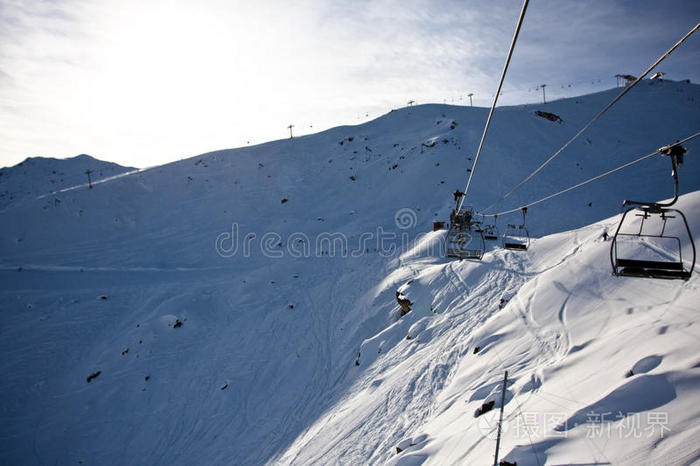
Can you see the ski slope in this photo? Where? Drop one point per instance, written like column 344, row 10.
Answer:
column 568, row 333
column 239, row 307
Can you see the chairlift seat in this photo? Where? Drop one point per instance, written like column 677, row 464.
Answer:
column 465, row 253
column 465, row 231
column 645, row 268
column 516, row 237
column 651, row 269
column 670, row 269
column 490, row 233
column 645, row 264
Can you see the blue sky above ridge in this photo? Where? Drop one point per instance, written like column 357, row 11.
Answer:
column 144, row 83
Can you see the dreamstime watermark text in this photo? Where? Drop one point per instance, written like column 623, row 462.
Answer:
column 383, row 242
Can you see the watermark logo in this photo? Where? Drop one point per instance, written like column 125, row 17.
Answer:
column 536, row 425
column 406, row 218
column 488, row 424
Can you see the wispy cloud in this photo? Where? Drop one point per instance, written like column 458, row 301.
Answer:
column 144, row 82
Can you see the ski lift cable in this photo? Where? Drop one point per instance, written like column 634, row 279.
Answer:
column 590, row 180
column 596, row 118
column 554, row 85
column 495, row 100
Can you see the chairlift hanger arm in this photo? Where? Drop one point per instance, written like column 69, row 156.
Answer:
column 675, row 153
column 590, row 180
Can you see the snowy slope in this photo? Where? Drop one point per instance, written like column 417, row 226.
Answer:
column 212, row 354
column 568, row 333
column 138, row 220
column 38, row 176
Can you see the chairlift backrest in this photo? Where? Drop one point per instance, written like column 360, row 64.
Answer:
column 490, row 233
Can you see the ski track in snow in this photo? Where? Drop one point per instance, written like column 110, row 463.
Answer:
column 263, row 367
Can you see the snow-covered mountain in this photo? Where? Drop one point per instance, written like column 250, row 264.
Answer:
column 38, row 176
column 239, row 307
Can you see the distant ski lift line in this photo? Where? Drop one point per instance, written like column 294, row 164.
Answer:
column 589, row 180
column 495, row 100
column 595, row 118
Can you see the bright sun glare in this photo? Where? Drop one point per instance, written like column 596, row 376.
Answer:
column 150, row 81
column 192, row 70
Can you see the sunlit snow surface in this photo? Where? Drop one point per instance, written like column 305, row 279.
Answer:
column 286, row 346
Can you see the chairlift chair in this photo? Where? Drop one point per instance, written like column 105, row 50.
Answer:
column 465, row 238
column 648, row 249
column 491, row 230
column 516, row 237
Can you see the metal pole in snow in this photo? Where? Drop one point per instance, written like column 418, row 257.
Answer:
column 470, row 99
column 290, row 131
column 544, row 98
column 500, row 419
column 87, row 172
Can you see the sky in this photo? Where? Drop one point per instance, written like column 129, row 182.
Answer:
column 146, row 82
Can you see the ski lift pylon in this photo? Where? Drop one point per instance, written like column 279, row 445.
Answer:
column 650, row 250
column 516, row 237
